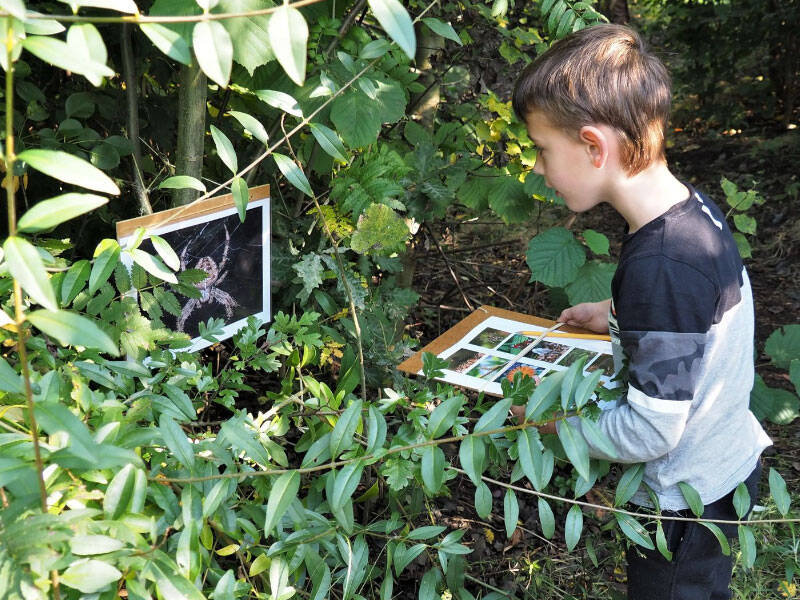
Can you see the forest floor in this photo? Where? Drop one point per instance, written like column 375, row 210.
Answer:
column 488, row 260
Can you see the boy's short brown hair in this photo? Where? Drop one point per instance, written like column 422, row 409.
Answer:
column 601, row 74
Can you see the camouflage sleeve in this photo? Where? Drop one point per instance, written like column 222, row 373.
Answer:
column 664, row 310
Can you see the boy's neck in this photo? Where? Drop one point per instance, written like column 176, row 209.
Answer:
column 646, row 195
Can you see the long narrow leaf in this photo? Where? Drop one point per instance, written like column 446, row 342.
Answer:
column 72, row 329
column 49, row 213
column 293, row 173
column 283, row 492
column 25, row 265
column 70, row 169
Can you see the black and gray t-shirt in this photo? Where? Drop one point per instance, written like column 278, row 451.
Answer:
column 682, row 319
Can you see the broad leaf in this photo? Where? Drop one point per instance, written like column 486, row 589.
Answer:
column 778, row 491
column 494, row 417
column 119, row 493
column 106, row 258
column 214, row 50
column 592, row 283
column 25, row 265
column 70, row 169
column 89, row 545
column 661, row 542
column 380, row 231
column 168, row 41
column 432, row 468
column 554, row 257
column 85, row 41
column 283, row 492
column 783, row 345
column 483, row 500
column 49, row 213
column 293, row 173
column 595, row 436
column 747, row 545
column 775, row 404
column 72, row 329
column 10, row 381
column 347, row 480
column 741, row 500
column 123, row 6
column 597, row 242
column 395, row 20
column 288, row 35
column 61, row 55
column 724, row 544
column 89, row 576
column 444, row 416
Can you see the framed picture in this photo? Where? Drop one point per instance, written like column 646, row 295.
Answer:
column 209, row 235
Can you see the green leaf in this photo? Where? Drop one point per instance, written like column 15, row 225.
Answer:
column 794, row 374
column 595, row 436
column 293, row 173
column 444, row 416
column 251, row 125
column 494, row 417
column 288, row 35
column 342, row 434
column 554, row 257
column 426, row 532
column 49, row 213
column 62, row 55
column 634, row 530
column 356, row 118
column 74, row 280
column 10, row 381
column 89, row 575
column 443, row 29
column 661, row 542
column 628, row 484
column 225, row 149
column 575, row 447
column 176, row 440
column 89, row 545
column 171, row 585
column 592, row 283
column 527, row 449
column 483, row 500
column 472, row 455
column 572, row 374
column 778, row 405
column 546, row 518
column 240, row 196
column 25, row 265
column 573, row 527
column 55, row 418
column 403, row 556
column 168, row 41
column 166, row 252
column 692, row 498
column 42, row 26
column 15, row 8
column 783, row 345
column 345, row 485
column 106, row 258
column 724, row 545
column 85, row 41
column 376, row 430
column 329, row 141
column 283, row 492
column 179, row 182
column 510, row 512
column 741, row 500
column 123, row 6
column 153, row 265
column 374, row 49
column 281, row 101
column 72, row 329
column 778, row 491
column 745, row 251
column 70, row 169
column 545, row 395
column 745, row 223
column 747, row 544
column 395, row 21
column 432, row 468
column 214, row 50
column 380, row 230
column 119, row 492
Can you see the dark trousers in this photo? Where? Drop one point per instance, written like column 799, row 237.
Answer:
column 698, row 569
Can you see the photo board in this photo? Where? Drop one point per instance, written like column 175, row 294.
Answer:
column 493, row 344
column 209, row 235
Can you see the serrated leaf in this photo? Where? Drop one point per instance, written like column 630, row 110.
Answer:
column 225, row 149
column 70, row 169
column 692, row 498
column 472, row 455
column 778, row 491
column 214, row 50
column 288, row 35
column 49, row 213
column 176, row 440
column 153, row 265
column 293, row 173
column 628, row 484
column 283, row 492
column 329, row 141
column 573, row 527
column 380, row 230
column 240, row 196
column 432, row 468
column 592, row 282
column 25, row 265
column 554, row 257
column 745, row 223
column 575, row 447
column 443, row 29
column 251, row 125
column 342, row 434
column 72, row 329
column 546, row 518
column 169, row 41
column 783, row 345
column 510, row 512
column 395, row 20
column 634, row 530
column 180, row 182
column 483, row 500
column 89, row 576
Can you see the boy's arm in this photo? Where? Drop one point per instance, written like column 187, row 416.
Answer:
column 664, row 311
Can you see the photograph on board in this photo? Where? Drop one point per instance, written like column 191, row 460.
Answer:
column 524, row 369
column 488, row 367
column 488, row 338
column 463, row 359
column 516, row 343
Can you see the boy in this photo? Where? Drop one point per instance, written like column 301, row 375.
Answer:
column 596, row 105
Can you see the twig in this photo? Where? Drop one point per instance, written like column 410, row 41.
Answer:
column 450, row 268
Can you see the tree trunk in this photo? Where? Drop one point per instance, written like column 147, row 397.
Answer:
column 191, row 129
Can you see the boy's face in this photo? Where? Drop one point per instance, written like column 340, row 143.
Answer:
column 566, row 163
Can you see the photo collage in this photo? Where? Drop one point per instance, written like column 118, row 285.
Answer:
column 499, row 349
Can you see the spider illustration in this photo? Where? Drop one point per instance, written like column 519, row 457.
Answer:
column 209, row 287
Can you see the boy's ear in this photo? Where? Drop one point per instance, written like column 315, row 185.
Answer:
column 597, row 144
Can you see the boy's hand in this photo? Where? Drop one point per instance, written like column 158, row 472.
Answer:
column 589, row 315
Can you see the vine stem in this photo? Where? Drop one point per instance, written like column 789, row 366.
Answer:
column 19, row 311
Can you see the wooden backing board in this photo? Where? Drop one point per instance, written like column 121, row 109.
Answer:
column 182, row 213
column 452, row 336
